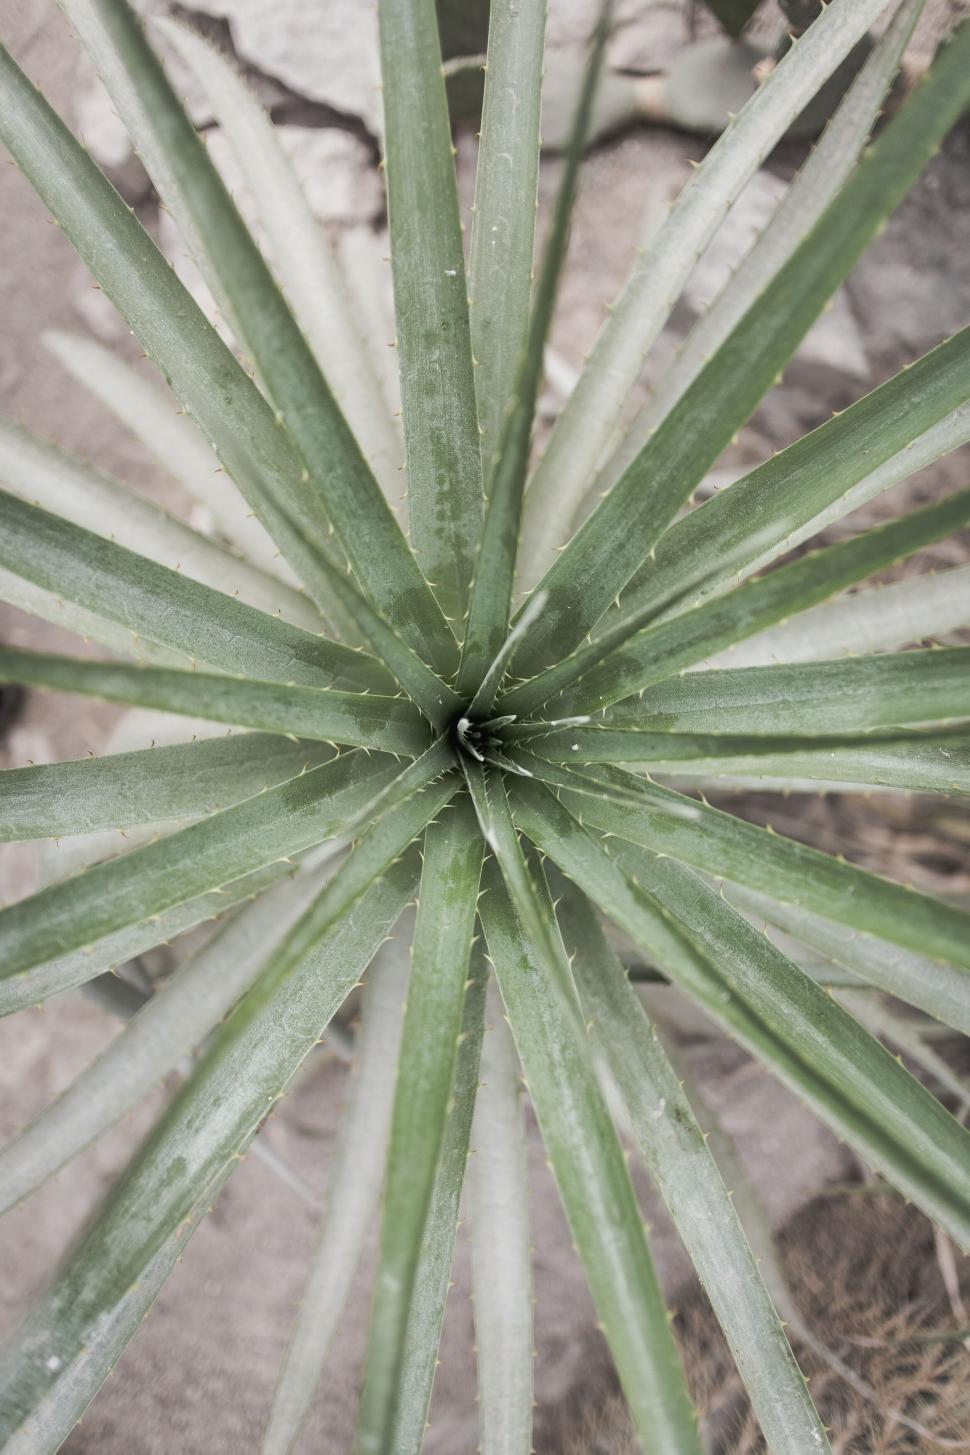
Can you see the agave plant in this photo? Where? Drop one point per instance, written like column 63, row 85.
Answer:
column 469, row 716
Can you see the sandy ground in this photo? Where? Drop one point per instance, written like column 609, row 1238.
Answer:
column 199, row 1375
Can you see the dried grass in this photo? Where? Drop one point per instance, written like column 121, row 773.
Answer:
column 865, row 1273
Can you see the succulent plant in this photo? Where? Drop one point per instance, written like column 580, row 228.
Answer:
column 469, row 715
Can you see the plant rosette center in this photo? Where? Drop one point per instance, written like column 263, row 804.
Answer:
column 480, row 738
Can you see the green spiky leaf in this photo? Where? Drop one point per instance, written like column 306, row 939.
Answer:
column 296, row 612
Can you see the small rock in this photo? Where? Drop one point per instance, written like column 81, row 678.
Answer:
column 648, row 34
column 335, row 171
column 569, row 23
column 329, row 53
